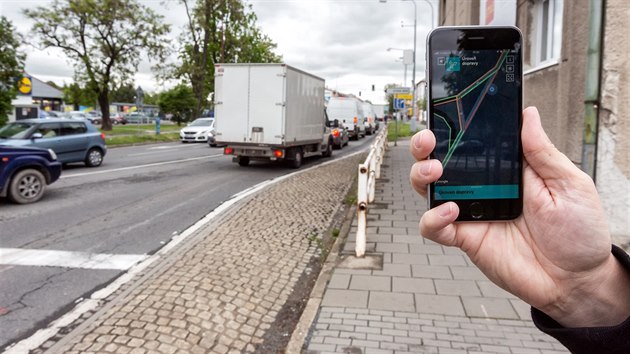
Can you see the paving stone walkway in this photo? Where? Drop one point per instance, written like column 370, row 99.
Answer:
column 426, row 298
column 225, row 291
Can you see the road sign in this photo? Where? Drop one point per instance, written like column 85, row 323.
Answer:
column 396, row 90
column 404, row 96
column 399, row 103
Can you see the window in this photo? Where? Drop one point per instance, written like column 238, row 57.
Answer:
column 546, row 34
column 48, row 130
column 73, row 128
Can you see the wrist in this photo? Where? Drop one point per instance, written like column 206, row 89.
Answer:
column 599, row 299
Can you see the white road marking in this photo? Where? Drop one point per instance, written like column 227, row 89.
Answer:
column 92, row 303
column 68, row 259
column 161, row 149
column 140, row 166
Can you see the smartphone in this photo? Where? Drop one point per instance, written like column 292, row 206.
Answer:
column 475, row 102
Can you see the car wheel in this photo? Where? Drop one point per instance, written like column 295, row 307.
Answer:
column 94, row 158
column 27, row 186
column 243, row 161
column 115, row 122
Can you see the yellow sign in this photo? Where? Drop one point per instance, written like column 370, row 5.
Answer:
column 404, row 96
column 25, row 86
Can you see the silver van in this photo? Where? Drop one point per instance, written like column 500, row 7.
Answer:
column 349, row 112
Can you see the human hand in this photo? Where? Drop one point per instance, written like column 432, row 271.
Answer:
column 557, row 255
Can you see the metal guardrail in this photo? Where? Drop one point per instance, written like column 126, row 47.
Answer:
column 369, row 171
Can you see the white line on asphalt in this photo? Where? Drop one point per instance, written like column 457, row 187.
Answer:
column 91, row 303
column 161, row 149
column 140, row 166
column 68, row 259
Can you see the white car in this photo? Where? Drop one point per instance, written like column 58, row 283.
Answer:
column 197, row 131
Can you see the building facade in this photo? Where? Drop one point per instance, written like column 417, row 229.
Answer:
column 577, row 73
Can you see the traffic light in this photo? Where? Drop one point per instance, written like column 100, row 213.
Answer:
column 372, row 87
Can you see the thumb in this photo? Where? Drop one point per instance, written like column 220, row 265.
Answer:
column 541, row 155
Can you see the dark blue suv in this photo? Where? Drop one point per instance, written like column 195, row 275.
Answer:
column 25, row 172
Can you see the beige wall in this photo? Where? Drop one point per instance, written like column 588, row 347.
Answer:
column 613, row 157
column 558, row 91
column 453, row 12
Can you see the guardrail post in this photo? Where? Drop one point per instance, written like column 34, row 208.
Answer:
column 369, row 170
column 361, row 210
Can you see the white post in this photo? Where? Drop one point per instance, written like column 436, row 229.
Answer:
column 362, row 200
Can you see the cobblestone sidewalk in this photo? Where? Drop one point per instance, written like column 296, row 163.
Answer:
column 229, row 289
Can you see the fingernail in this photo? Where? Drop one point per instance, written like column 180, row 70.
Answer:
column 425, row 168
column 445, row 210
column 417, row 140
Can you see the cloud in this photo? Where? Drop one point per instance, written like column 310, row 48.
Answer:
column 343, row 41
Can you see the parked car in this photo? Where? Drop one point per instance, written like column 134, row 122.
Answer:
column 25, row 172
column 138, row 118
column 71, row 140
column 49, row 114
column 339, row 135
column 83, row 115
column 118, row 118
column 199, row 130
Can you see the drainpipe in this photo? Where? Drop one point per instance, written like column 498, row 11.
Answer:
column 592, row 93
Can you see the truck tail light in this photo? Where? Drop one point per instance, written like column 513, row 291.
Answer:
column 335, row 133
column 228, row 151
column 278, row 153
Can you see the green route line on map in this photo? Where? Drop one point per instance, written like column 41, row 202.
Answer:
column 449, row 130
column 490, row 74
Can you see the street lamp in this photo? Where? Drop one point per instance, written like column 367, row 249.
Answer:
column 406, row 60
column 415, row 27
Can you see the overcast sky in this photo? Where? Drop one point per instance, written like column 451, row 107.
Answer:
column 343, row 41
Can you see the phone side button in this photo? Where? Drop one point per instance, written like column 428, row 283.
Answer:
column 476, row 210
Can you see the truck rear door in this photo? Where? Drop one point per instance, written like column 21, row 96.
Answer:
column 231, row 103
column 266, row 104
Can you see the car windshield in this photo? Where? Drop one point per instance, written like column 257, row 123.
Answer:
column 15, row 130
column 202, row 123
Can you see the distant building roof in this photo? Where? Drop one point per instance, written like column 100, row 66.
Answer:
column 42, row 89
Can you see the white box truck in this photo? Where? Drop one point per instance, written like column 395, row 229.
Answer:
column 270, row 112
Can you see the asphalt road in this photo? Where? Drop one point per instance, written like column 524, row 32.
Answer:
column 128, row 208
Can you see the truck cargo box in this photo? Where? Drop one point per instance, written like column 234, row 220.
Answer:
column 268, row 104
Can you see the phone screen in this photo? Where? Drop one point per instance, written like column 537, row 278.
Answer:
column 475, row 100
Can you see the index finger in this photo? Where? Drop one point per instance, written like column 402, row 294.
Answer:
column 422, row 144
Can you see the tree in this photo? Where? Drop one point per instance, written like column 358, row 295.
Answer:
column 218, row 32
column 11, row 65
column 180, row 101
column 124, row 93
column 104, row 39
column 76, row 95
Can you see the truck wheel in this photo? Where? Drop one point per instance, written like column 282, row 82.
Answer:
column 297, row 160
column 27, row 186
column 243, row 161
column 329, row 149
